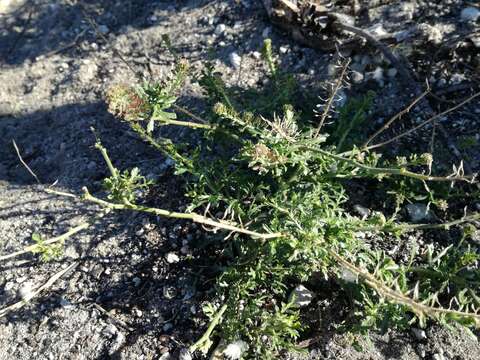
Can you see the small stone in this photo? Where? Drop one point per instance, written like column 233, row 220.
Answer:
column 361, row 210
column 266, row 32
column 392, row 72
column 256, row 55
column 167, row 327
column 419, row 334
column 235, row 60
column 184, row 354
column 470, row 14
column 153, row 19
column 138, row 313
column 377, row 75
column 357, row 77
column 438, row 356
column 136, row 281
column 283, row 49
column 172, row 258
column 26, row 291
column 110, row 330
column 418, row 213
column 103, row 29
column 220, row 29
column 166, row 356
column 301, row 296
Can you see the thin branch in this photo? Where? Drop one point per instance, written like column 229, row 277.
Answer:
column 26, row 300
column 391, row 171
column 225, row 225
column 59, row 238
column 23, row 162
column 433, row 118
column 331, row 99
column 395, row 117
column 397, row 297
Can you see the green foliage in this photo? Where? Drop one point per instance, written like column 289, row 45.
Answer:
column 123, row 187
column 260, row 165
column 47, row 252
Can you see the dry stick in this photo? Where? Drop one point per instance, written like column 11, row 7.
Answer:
column 399, row 298
column 337, row 86
column 406, row 77
column 433, row 118
column 24, row 163
column 59, row 238
column 177, row 215
column 395, row 117
column 119, row 321
column 37, row 291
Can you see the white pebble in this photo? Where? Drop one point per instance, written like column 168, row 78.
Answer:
column 103, row 29
column 419, row 333
column 301, row 296
column 357, row 77
column 235, row 60
column 26, row 291
column 470, row 14
column 172, row 258
column 283, row 49
column 220, row 29
column 256, row 55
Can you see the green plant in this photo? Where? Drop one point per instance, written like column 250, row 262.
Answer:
column 283, row 186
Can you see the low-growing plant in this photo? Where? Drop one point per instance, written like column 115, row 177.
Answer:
column 280, row 187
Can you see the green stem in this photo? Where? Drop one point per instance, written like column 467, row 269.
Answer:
column 178, row 215
column 206, row 336
column 389, row 171
column 104, row 153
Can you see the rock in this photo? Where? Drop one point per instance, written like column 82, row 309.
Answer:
column 418, row 213
column 103, row 29
column 256, row 55
column 235, row 349
column 172, row 258
column 220, row 29
column 301, row 296
column 361, row 210
column 392, row 72
column 110, row 330
column 235, row 60
column 419, row 334
column 377, row 75
column 184, row 354
column 283, row 49
column 470, row 14
column 167, row 327
column 438, row 356
column 357, row 77
column 136, row 281
column 26, row 291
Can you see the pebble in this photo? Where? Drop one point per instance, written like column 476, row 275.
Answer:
column 266, row 32
column 184, row 354
column 470, row 14
column 361, row 210
column 283, row 49
column 392, row 72
column 301, row 296
column 377, row 75
column 418, row 212
column 256, row 55
column 167, row 327
column 438, row 356
column 235, row 60
column 220, row 29
column 26, row 291
column 419, row 333
column 103, row 29
column 136, row 281
column 357, row 77
column 172, row 258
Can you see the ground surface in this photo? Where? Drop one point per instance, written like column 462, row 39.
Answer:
column 54, row 71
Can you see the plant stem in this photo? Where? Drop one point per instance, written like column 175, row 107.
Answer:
column 186, row 124
column 59, row 238
column 206, row 336
column 112, row 169
column 390, row 171
column 178, row 215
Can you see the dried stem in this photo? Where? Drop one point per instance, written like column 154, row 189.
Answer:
column 206, row 336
